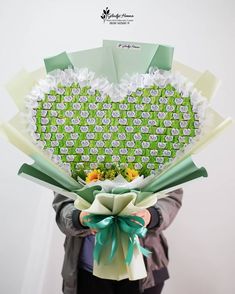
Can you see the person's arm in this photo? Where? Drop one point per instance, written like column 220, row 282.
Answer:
column 157, row 217
column 68, row 217
column 161, row 215
column 165, row 210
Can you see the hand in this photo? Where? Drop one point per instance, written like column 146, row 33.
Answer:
column 81, row 216
column 145, row 215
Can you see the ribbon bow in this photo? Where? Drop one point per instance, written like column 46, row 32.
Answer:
column 107, row 232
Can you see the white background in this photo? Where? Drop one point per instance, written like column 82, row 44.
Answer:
column 202, row 237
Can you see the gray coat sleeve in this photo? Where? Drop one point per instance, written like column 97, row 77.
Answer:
column 168, row 208
column 67, row 217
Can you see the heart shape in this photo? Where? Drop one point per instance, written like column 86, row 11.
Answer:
column 81, row 121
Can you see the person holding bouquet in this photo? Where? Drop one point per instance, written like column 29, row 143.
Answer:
column 79, row 244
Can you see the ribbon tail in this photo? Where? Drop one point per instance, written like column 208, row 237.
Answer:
column 143, row 250
column 130, row 250
column 114, row 244
column 97, row 251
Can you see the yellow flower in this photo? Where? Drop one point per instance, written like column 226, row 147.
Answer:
column 94, row 176
column 131, row 174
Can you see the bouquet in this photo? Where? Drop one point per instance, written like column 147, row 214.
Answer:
column 113, row 128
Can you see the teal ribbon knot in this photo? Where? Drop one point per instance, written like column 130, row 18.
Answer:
column 107, row 232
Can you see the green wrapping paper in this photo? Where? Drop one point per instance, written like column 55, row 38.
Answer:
column 181, row 173
column 60, row 61
column 100, row 60
column 148, row 55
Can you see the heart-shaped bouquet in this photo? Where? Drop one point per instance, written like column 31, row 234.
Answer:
column 99, row 131
column 114, row 129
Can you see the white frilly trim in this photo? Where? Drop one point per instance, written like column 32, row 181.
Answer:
column 117, row 92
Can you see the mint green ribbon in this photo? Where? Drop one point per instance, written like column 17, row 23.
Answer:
column 107, row 232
